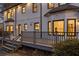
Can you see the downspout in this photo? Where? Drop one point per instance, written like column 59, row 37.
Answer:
column 15, row 21
column 40, row 20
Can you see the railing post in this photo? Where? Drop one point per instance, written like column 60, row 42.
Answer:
column 21, row 37
column 2, row 38
column 56, row 37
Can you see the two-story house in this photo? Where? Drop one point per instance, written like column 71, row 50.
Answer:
column 42, row 17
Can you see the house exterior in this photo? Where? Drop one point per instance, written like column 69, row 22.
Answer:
column 42, row 17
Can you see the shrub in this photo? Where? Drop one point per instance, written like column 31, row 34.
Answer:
column 67, row 48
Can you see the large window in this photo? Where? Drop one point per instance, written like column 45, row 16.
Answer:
column 71, row 27
column 58, row 27
column 51, row 5
column 49, row 27
column 34, row 7
column 37, row 26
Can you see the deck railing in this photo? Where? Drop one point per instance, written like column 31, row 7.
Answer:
column 48, row 39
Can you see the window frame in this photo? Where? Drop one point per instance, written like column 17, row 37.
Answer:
column 74, row 27
column 8, row 16
column 33, row 6
column 63, row 27
column 9, row 28
column 22, row 10
column 34, row 26
column 25, row 27
column 51, row 5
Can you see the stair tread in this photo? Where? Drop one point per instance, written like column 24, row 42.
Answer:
column 13, row 42
column 7, row 48
column 11, row 45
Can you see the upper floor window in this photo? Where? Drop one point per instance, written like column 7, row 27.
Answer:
column 12, row 13
column 23, row 9
column 51, row 5
column 5, row 14
column 9, row 15
column 34, row 7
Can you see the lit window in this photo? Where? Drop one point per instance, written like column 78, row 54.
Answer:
column 59, row 27
column 9, row 28
column 34, row 7
column 71, row 27
column 25, row 26
column 9, row 15
column 5, row 14
column 37, row 26
column 49, row 27
column 23, row 9
column 51, row 5
column 12, row 13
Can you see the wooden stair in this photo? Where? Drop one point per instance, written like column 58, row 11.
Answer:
column 11, row 45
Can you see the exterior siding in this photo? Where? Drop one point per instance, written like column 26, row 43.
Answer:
column 30, row 18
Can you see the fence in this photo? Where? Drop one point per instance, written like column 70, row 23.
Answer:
column 48, row 39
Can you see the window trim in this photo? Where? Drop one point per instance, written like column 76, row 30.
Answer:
column 74, row 28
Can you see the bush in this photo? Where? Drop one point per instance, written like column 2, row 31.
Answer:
column 67, row 48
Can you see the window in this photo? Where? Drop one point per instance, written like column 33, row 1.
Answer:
column 9, row 28
column 19, row 29
column 12, row 13
column 49, row 27
column 5, row 14
column 9, row 15
column 59, row 27
column 34, row 7
column 37, row 26
column 25, row 26
column 23, row 8
column 71, row 27
column 51, row 5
